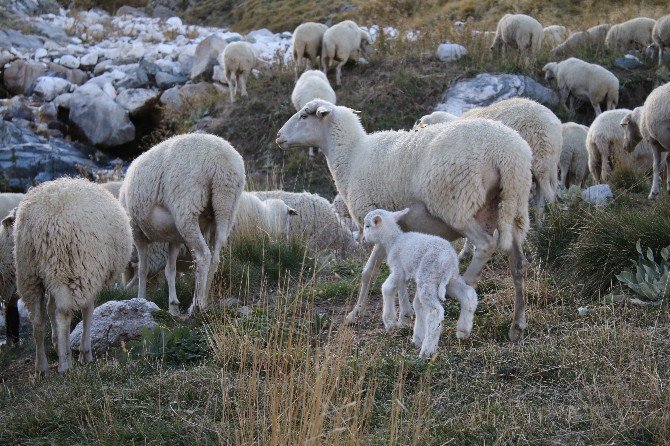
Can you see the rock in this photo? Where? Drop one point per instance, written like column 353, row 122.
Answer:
column 173, row 97
column 219, row 74
column 137, row 100
column 206, row 54
column 19, row 108
column 49, row 87
column 600, row 194
column 449, row 52
column 89, row 60
column 135, row 78
column 161, row 12
column 74, row 76
column 5, row 58
column 20, row 75
column 47, row 112
column 53, row 33
column 98, row 119
column 149, row 67
column 63, row 101
column 485, row 89
column 130, row 11
column 109, row 90
column 29, row 8
column 117, row 321
column 40, row 54
column 628, row 62
column 103, row 67
column 165, row 80
column 10, row 38
column 174, row 23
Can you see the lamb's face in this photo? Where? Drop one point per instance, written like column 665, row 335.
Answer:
column 631, row 130
column 307, row 128
column 373, row 225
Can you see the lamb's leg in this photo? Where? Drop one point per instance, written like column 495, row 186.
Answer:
column 64, row 319
column 37, row 314
column 368, row 276
column 518, row 265
column 190, row 232
column 485, row 245
column 142, row 246
column 596, row 108
column 406, row 310
column 51, row 305
column 467, row 297
column 171, row 276
column 419, row 321
column 85, row 351
column 656, row 176
column 243, row 84
column 389, row 293
column 434, row 315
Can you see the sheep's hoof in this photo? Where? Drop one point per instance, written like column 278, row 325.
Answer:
column 417, row 341
column 515, row 332
column 174, row 309
column 404, row 321
column 351, row 318
column 462, row 335
column 653, row 195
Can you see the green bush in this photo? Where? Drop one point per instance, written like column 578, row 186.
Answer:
column 177, row 345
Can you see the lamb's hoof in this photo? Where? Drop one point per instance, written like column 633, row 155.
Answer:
column 462, row 334
column 404, row 321
column 653, row 195
column 515, row 332
column 426, row 353
column 174, row 309
column 351, row 318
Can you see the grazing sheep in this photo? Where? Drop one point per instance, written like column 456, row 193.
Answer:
column 9, row 299
column 237, row 60
column 629, row 35
column 574, row 161
column 576, row 78
column 113, row 187
column 342, row 42
column 184, row 190
column 541, row 129
column 605, row 145
column 313, row 84
column 592, row 36
column 306, row 43
column 466, row 178
column 518, row 31
column 432, row 263
column 660, row 35
column 651, row 123
column 598, row 33
column 436, row 117
column 72, row 239
column 554, row 34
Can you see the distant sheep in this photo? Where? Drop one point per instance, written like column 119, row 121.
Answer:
column 520, row 32
column 342, row 42
column 598, row 33
column 629, row 35
column 113, row 187
column 576, row 41
column 554, row 35
column 605, row 145
column 660, row 35
column 72, row 239
column 237, row 60
column 574, row 162
column 312, row 84
column 306, row 44
column 434, row 118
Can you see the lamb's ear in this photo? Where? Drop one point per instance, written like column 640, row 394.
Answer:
column 376, row 220
column 9, row 219
column 625, row 121
column 356, row 112
column 400, row 214
column 292, row 211
column 322, row 112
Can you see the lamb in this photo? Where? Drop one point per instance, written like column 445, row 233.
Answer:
column 632, row 34
column 574, row 161
column 434, row 118
column 313, row 84
column 449, row 194
column 72, row 239
column 174, row 191
column 554, row 34
column 651, row 123
column 576, row 78
column 433, row 264
column 605, row 145
column 8, row 202
column 660, row 35
column 306, row 43
column 237, row 60
column 518, row 31
column 342, row 42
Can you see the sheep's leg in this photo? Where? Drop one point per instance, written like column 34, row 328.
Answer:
column 406, row 310
column 389, row 293
column 605, row 167
column 218, row 238
column 338, row 72
column 466, row 251
column 142, row 246
column 37, row 314
column 656, row 175
column 419, row 321
column 484, row 244
column 85, row 351
column 596, row 108
column 467, row 297
column 518, row 265
column 572, row 103
column 52, row 318
column 64, row 319
column 203, row 257
column 368, row 276
column 171, row 277
column 232, row 86
column 540, row 201
column 243, row 84
column 667, row 173
column 434, row 315
column 564, row 175
column 325, row 63
column 12, row 318
column 595, row 168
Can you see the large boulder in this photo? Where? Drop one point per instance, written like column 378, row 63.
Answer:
column 98, row 119
column 137, row 100
column 48, row 88
column 130, row 11
column 174, row 97
column 115, row 322
column 205, row 56
column 166, row 80
column 20, row 76
column 73, row 75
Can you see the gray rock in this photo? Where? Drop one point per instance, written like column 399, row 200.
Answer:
column 116, row 321
column 130, row 11
column 135, row 78
column 149, row 67
column 20, row 76
column 173, row 97
column 48, row 88
column 89, row 60
column 19, row 108
column 628, row 62
column 5, row 58
column 600, row 194
column 485, row 89
column 47, row 112
column 449, row 52
column 10, row 38
column 51, row 32
column 162, row 12
column 205, row 56
column 28, row 8
column 137, row 100
column 74, row 76
column 166, row 80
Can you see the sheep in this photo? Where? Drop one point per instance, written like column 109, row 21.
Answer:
column 460, row 179
column 71, row 240
column 651, row 123
column 541, row 129
column 434, row 118
column 342, row 42
column 660, row 35
column 113, row 187
column 598, row 33
column 576, row 78
column 8, row 202
column 306, row 43
column 554, row 34
column 574, row 161
column 237, row 60
column 592, row 36
column 340, row 208
column 518, row 31
column 632, row 34
column 174, row 191
column 432, row 263
column 312, row 84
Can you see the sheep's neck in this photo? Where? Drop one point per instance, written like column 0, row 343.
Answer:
column 342, row 146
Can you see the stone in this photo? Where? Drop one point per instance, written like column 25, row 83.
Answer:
column 173, row 97
column 162, row 12
column 450, row 52
column 19, row 108
column 89, row 60
column 10, row 38
column 41, row 53
column 628, row 62
column 48, row 88
column 115, row 322
column 137, row 100
column 206, row 55
column 166, row 80
column 69, row 61
column 47, row 112
column 131, row 12
column 174, row 23
column 20, row 76
column 600, row 194
column 53, row 33
column 135, row 78
column 74, row 76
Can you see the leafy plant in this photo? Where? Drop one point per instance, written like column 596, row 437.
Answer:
column 178, row 345
column 651, row 279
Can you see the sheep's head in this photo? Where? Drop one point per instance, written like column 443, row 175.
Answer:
column 309, row 127
column 366, row 43
column 549, row 71
column 631, row 129
column 279, row 216
column 379, row 224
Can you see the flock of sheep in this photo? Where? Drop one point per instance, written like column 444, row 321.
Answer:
column 407, row 192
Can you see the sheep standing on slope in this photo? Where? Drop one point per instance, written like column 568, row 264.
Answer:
column 461, row 179
column 174, row 189
column 574, row 161
column 237, row 60
column 554, row 35
column 576, row 78
column 518, row 31
column 72, row 239
column 660, row 35
column 313, row 84
column 8, row 297
column 651, row 123
column 306, row 44
column 598, row 33
column 629, row 35
column 432, row 263
column 342, row 42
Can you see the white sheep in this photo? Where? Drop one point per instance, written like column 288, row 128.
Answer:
column 579, row 79
column 598, row 33
column 432, row 263
column 237, row 60
column 592, row 36
column 113, row 187
column 632, row 34
column 340, row 208
column 8, row 202
column 72, row 239
column 660, row 35
column 518, row 31
column 434, row 118
column 171, row 192
column 574, row 161
column 341, row 42
column 652, row 124
column 312, row 84
column 306, row 44
column 466, row 178
column 554, row 34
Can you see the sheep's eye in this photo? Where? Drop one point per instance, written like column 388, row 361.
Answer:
column 303, row 116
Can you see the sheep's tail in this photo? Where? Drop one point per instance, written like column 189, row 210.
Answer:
column 515, row 181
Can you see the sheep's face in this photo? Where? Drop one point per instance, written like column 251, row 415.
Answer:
column 309, row 127
column 380, row 223
column 631, row 130
column 279, row 216
column 548, row 72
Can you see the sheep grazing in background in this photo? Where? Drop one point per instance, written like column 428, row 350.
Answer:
column 576, row 41
column 113, row 187
column 173, row 192
column 312, row 84
column 598, row 33
column 579, row 79
column 436, row 117
column 466, row 178
column 630, row 35
column 651, row 123
column 554, row 35
column 342, row 42
column 660, row 35
column 432, row 263
column 237, row 60
column 306, row 44
column 9, row 298
column 574, row 161
column 72, row 239
column 520, row 32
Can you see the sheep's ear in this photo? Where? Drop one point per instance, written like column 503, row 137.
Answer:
column 376, row 220
column 292, row 211
column 625, row 121
column 322, row 112
column 356, row 112
column 400, row 214
column 8, row 221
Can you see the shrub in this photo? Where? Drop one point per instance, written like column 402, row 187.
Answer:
column 177, row 345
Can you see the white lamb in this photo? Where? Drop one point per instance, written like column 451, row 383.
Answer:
column 180, row 191
column 579, row 79
column 629, row 35
column 660, row 35
column 432, row 263
column 306, row 44
column 466, row 178
column 436, row 117
column 574, row 161
column 72, row 239
column 554, row 34
column 342, row 42
column 652, row 124
column 237, row 60
column 518, row 31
